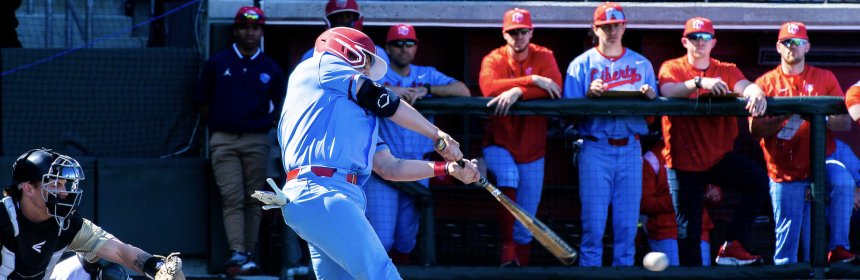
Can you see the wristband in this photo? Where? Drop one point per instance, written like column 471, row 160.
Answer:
column 440, row 168
column 151, row 266
column 447, row 164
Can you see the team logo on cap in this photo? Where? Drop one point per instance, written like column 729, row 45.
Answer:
column 792, row 28
column 528, row 71
column 403, row 30
column 698, row 24
column 809, row 87
column 517, row 17
column 341, row 3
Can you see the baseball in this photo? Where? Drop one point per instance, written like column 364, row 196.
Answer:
column 655, row 261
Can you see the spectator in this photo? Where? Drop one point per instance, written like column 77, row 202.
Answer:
column 8, row 23
column 390, row 211
column 657, row 204
column 699, row 150
column 852, row 102
column 610, row 163
column 345, row 13
column 238, row 87
column 786, row 141
column 514, row 146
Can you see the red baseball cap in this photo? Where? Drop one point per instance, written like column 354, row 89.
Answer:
column 401, row 32
column 516, row 19
column 793, row 29
column 609, row 12
column 699, row 24
column 249, row 14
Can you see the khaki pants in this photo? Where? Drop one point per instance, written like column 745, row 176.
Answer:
column 239, row 164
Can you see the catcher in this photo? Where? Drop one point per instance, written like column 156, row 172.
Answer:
column 40, row 224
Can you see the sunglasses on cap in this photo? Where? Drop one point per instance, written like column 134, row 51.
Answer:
column 247, row 16
column 519, row 30
column 401, row 44
column 700, row 36
column 793, row 41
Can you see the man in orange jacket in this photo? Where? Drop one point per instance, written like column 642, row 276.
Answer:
column 514, row 145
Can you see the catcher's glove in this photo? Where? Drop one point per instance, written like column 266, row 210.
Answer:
column 170, row 269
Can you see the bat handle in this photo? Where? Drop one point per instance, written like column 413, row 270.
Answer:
column 461, row 163
column 440, row 146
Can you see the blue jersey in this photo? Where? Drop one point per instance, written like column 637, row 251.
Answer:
column 321, row 124
column 379, row 51
column 405, row 143
column 628, row 72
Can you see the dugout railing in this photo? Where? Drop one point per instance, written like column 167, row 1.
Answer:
column 815, row 107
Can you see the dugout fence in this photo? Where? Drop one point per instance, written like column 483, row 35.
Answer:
column 446, row 252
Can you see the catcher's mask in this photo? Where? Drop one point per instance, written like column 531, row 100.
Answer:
column 62, row 203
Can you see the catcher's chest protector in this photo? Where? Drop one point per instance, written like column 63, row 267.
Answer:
column 31, row 250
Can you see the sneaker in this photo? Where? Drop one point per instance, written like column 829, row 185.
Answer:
column 251, row 268
column 235, row 263
column 735, row 254
column 840, row 254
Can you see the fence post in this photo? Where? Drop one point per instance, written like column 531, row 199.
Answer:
column 818, row 147
column 69, row 29
column 89, row 36
column 49, row 24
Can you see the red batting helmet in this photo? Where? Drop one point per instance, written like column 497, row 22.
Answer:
column 353, row 47
column 338, row 6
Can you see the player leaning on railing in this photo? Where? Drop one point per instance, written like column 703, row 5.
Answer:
column 40, row 224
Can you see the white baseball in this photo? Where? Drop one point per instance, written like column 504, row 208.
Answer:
column 655, row 261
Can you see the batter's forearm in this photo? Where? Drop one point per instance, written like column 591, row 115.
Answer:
column 408, row 117
column 405, row 170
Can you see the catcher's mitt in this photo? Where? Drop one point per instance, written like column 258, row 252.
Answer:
column 171, row 269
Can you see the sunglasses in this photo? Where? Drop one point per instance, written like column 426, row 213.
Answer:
column 614, row 14
column 401, row 44
column 523, row 31
column 251, row 17
column 700, row 36
column 794, row 41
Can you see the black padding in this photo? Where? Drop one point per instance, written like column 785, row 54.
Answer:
column 377, row 99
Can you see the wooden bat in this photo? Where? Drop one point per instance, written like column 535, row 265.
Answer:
column 541, row 232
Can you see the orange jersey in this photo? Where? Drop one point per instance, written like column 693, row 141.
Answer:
column 523, row 136
column 852, row 97
column 698, row 143
column 657, row 201
column 787, row 152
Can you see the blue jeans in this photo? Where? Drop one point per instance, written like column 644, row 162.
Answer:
column 791, row 212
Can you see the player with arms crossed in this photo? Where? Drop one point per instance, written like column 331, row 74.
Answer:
column 699, row 150
column 328, row 135
column 40, row 224
column 786, row 142
column 610, row 166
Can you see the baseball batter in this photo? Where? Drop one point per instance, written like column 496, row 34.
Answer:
column 345, row 13
column 328, row 136
column 610, row 165
column 391, row 212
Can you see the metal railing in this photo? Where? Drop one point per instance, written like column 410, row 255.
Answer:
column 85, row 24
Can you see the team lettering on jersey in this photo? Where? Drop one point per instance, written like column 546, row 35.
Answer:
column 628, row 75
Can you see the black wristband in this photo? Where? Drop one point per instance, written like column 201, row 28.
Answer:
column 151, row 266
column 428, row 88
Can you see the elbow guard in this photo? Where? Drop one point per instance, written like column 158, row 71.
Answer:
column 379, row 100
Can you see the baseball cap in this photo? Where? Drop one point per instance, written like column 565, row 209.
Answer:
column 249, row 14
column 401, row 32
column 699, row 24
column 609, row 12
column 792, row 29
column 517, row 18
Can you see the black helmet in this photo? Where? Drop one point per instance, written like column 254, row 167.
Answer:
column 32, row 165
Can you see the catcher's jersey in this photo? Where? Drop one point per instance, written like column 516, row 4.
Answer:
column 321, row 123
column 37, row 248
column 405, row 143
column 627, row 72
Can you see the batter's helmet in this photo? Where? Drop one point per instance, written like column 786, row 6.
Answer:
column 338, row 6
column 353, row 47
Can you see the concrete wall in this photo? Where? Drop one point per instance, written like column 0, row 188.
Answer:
column 557, row 14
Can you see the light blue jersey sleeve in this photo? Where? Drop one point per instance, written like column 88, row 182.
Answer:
column 438, row 78
column 308, row 54
column 336, row 76
column 574, row 82
column 650, row 78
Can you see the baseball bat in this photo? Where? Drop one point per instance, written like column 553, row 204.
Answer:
column 566, row 254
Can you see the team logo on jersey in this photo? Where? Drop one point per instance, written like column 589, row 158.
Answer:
column 264, row 78
column 628, row 75
column 517, row 17
column 227, row 73
column 698, row 24
column 792, row 28
column 809, row 88
column 403, row 30
column 528, row 71
column 38, row 247
column 341, row 3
